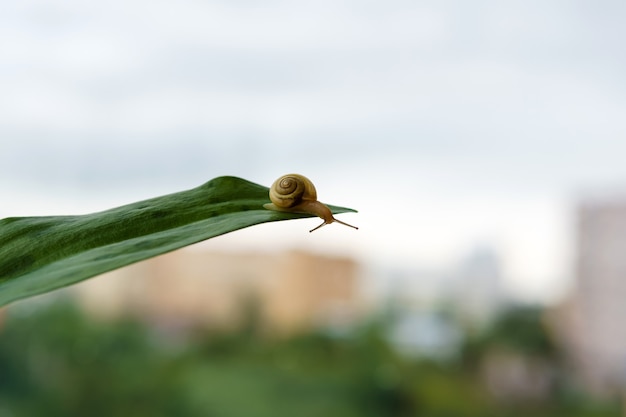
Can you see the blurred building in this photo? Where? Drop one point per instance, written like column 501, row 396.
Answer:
column 284, row 292
column 433, row 310
column 477, row 287
column 592, row 322
column 474, row 287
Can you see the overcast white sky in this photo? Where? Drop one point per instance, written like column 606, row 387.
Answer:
column 448, row 124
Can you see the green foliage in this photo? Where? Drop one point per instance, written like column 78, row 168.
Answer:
column 40, row 254
column 54, row 362
column 517, row 329
column 522, row 329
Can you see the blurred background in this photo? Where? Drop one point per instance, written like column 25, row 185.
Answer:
column 482, row 143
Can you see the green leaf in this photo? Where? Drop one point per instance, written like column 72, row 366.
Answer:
column 40, row 254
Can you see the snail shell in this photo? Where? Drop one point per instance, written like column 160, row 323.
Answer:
column 295, row 193
column 289, row 190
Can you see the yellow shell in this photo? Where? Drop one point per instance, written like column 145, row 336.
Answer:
column 289, row 190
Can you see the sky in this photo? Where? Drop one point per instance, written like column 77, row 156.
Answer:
column 449, row 125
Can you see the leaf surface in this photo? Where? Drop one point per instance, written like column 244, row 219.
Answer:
column 41, row 254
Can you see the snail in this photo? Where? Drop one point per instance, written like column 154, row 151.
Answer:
column 295, row 193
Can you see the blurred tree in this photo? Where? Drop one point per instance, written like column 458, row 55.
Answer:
column 56, row 362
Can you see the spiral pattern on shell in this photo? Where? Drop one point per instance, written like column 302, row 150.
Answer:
column 289, row 190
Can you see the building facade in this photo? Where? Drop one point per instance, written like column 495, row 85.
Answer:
column 593, row 324
column 287, row 291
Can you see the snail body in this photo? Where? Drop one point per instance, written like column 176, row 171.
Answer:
column 295, row 193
